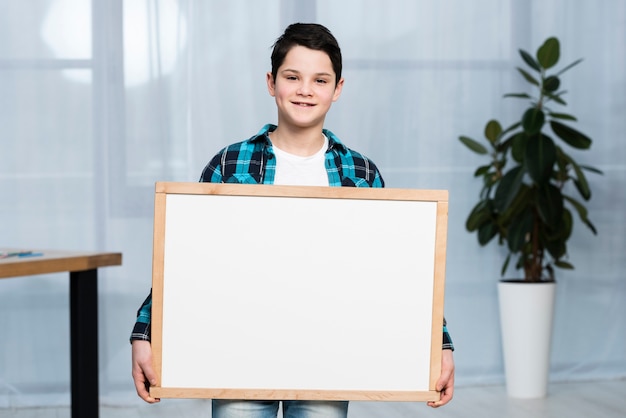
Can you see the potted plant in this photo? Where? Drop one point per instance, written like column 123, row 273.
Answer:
column 531, row 189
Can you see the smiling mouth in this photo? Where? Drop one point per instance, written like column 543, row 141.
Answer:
column 303, row 104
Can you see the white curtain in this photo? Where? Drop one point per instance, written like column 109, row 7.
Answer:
column 100, row 99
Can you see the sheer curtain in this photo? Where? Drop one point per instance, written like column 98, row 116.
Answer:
column 100, row 99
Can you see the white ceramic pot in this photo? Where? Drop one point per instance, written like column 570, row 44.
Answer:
column 526, row 318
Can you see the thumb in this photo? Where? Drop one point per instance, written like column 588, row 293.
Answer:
column 150, row 375
column 148, row 372
column 443, row 380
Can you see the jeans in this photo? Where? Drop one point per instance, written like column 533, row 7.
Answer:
column 269, row 409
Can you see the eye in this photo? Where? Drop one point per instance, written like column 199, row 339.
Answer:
column 291, row 77
column 321, row 81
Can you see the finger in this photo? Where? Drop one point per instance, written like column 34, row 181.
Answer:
column 445, row 394
column 145, row 394
column 142, row 386
column 445, row 398
column 443, row 379
column 148, row 372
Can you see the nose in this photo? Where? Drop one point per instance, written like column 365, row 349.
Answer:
column 304, row 89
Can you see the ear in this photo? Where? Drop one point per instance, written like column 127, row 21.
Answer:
column 271, row 85
column 338, row 89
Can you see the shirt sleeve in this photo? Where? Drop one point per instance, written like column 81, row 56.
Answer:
column 143, row 328
column 447, row 341
column 212, row 172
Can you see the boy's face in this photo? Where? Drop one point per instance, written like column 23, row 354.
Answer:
column 304, row 88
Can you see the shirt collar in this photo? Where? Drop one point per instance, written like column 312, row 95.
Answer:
column 262, row 136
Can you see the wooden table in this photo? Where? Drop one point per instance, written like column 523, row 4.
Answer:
column 83, row 269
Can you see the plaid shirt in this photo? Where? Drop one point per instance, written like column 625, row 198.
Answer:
column 253, row 162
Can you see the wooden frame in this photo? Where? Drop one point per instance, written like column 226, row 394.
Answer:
column 289, row 292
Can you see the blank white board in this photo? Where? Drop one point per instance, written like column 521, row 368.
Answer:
column 277, row 292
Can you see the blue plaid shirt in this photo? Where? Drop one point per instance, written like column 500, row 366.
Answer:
column 253, row 162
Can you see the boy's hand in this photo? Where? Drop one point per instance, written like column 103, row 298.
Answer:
column 143, row 373
column 445, row 384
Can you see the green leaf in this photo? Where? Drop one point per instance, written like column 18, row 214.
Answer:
column 580, row 208
column 482, row 170
column 590, row 226
column 557, row 243
column 559, row 231
column 473, row 145
column 550, row 204
column 489, row 179
column 493, row 129
column 557, row 248
column 581, row 181
column 508, row 188
column 533, row 120
column 563, row 265
column 528, row 59
column 479, row 215
column 518, row 95
column 551, row 83
column 569, row 66
column 563, row 116
column 548, row 54
column 540, row 157
column 556, row 97
column 511, row 128
column 570, row 135
column 486, row 233
column 505, row 265
column 518, row 146
column 561, row 174
column 519, row 231
column 504, row 144
column 528, row 77
column 592, row 169
column 522, row 199
column 502, row 148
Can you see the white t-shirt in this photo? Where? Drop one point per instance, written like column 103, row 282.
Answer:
column 295, row 170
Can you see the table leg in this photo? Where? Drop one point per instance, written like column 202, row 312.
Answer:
column 84, row 343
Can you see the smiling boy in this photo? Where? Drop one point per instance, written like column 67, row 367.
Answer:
column 305, row 80
column 304, row 88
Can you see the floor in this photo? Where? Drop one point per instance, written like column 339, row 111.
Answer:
column 606, row 399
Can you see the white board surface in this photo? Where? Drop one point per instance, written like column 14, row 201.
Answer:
column 297, row 293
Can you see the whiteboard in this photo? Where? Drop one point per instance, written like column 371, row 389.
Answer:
column 290, row 292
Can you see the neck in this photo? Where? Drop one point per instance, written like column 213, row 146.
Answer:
column 301, row 142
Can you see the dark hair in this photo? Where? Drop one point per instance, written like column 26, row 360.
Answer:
column 312, row 36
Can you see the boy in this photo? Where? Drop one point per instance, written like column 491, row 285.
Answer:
column 305, row 80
